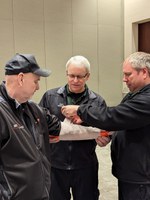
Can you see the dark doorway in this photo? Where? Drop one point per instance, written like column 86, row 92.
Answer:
column 144, row 37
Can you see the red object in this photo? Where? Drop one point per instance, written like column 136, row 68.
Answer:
column 53, row 139
column 104, row 133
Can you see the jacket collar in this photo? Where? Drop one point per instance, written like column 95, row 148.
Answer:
column 130, row 95
column 62, row 91
column 12, row 102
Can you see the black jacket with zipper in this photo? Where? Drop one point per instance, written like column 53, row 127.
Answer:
column 70, row 154
column 130, row 149
column 24, row 148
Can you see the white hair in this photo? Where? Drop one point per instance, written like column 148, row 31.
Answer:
column 79, row 61
column 139, row 60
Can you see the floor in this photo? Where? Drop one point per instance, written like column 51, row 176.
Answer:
column 107, row 183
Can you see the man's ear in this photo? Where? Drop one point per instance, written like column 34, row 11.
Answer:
column 20, row 78
column 145, row 72
column 88, row 75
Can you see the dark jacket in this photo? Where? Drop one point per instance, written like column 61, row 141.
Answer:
column 24, row 162
column 70, row 154
column 130, row 149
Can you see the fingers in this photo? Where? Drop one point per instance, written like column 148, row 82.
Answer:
column 69, row 111
column 76, row 119
column 102, row 141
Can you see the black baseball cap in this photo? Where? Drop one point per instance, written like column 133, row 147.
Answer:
column 25, row 63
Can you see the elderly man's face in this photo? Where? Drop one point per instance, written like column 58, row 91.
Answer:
column 30, row 83
column 77, row 77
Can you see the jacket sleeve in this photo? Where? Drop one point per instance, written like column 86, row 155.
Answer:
column 131, row 114
column 54, row 124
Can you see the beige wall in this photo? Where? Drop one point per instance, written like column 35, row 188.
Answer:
column 135, row 12
column 54, row 30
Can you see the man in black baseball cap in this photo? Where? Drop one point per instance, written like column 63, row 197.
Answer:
column 25, row 131
column 24, row 140
column 25, row 63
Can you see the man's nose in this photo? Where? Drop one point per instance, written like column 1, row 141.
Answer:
column 75, row 78
column 124, row 79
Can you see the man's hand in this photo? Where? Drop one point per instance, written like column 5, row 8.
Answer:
column 76, row 119
column 69, row 111
column 102, row 141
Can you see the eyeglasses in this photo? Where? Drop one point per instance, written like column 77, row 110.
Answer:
column 79, row 77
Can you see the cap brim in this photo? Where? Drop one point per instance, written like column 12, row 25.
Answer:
column 42, row 72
